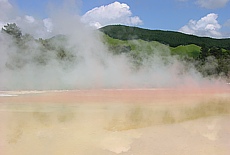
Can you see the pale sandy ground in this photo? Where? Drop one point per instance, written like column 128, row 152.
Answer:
column 110, row 122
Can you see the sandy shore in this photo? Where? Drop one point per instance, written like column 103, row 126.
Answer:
column 129, row 122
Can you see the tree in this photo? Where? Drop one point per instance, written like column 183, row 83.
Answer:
column 204, row 52
column 13, row 30
column 216, row 52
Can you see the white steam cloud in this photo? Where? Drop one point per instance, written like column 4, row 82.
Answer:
column 88, row 64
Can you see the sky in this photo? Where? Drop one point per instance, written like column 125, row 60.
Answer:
column 199, row 17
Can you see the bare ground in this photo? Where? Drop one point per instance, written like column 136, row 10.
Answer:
column 140, row 121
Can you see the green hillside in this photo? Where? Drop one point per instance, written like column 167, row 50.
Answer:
column 171, row 38
column 210, row 61
column 191, row 50
column 138, row 45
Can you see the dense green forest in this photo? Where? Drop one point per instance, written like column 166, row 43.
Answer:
column 171, row 38
column 210, row 56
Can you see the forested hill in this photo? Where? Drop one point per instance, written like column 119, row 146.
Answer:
column 170, row 38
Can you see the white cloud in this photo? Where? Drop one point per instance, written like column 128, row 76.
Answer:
column 29, row 19
column 212, row 4
column 114, row 13
column 48, row 24
column 28, row 24
column 206, row 26
column 5, row 10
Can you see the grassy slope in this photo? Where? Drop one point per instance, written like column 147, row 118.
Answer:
column 145, row 46
column 190, row 50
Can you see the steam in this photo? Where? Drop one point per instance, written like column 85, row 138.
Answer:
column 90, row 65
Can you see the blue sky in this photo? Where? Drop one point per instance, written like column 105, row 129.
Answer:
column 199, row 17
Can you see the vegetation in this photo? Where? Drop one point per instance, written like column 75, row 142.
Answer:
column 171, row 38
column 12, row 30
column 210, row 56
column 214, row 61
column 41, row 55
column 191, row 50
